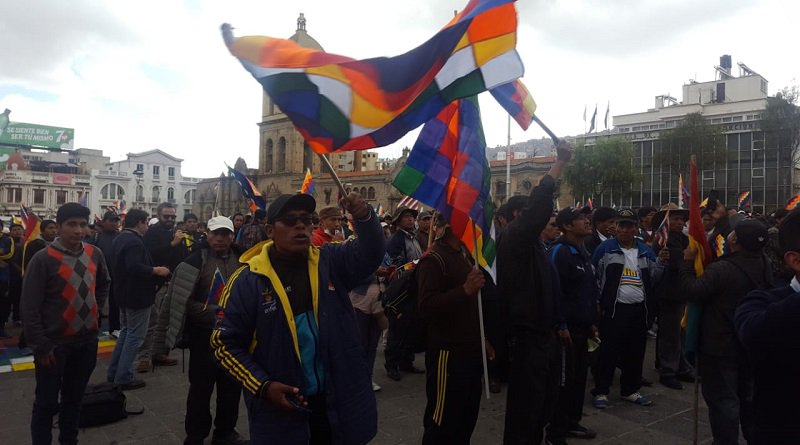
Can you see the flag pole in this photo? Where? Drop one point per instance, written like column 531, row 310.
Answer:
column 334, row 176
column 549, row 132
column 480, row 316
column 430, row 229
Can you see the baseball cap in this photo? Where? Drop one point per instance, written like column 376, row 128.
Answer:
column 220, row 222
column 110, row 216
column 153, row 221
column 751, row 234
column 569, row 214
column 424, row 214
column 286, row 203
column 627, row 215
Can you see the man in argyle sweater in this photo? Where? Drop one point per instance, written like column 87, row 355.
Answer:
column 64, row 286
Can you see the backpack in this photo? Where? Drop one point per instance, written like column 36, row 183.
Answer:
column 399, row 300
column 103, row 403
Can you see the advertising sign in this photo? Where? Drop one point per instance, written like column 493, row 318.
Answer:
column 5, row 153
column 54, row 138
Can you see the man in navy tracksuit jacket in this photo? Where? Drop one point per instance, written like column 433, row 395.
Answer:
column 289, row 333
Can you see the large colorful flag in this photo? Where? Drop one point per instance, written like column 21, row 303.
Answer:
column 308, row 183
column 448, row 170
column 340, row 103
column 698, row 242
column 517, row 100
column 744, row 200
column 30, row 222
column 249, row 190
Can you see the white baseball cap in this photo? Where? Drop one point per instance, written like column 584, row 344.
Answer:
column 220, row 222
column 152, row 221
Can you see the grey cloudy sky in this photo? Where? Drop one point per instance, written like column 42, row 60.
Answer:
column 133, row 76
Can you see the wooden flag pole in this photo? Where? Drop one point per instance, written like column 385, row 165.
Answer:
column 549, row 132
column 430, row 229
column 334, row 176
column 480, row 317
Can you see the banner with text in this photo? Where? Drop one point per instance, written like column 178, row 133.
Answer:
column 54, row 138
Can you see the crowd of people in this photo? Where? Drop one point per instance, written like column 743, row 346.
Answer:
column 285, row 308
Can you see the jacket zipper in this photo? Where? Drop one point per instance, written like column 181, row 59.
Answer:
column 316, row 353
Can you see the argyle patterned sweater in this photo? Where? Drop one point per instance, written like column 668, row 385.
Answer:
column 62, row 293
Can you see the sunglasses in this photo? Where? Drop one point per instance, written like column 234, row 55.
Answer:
column 169, row 216
column 291, row 220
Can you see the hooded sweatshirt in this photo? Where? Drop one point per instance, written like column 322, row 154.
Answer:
column 62, row 292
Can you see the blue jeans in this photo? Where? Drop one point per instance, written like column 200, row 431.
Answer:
column 133, row 327
column 68, row 378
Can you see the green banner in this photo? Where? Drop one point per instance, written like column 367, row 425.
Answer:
column 20, row 133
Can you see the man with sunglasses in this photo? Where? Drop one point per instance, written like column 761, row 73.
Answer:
column 289, row 333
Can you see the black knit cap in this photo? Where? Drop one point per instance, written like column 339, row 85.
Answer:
column 71, row 210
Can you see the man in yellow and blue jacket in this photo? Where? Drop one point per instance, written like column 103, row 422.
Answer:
column 288, row 332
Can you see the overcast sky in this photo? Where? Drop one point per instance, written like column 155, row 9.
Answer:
column 133, row 76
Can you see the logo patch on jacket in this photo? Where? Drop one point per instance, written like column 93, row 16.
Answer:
column 269, row 303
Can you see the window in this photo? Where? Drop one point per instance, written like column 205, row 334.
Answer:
column 171, row 172
column 171, row 194
column 268, row 157
column 156, row 171
column 282, row 154
column 758, row 172
column 112, row 191
column 140, row 167
column 38, row 196
column 371, row 193
column 188, row 197
column 14, row 195
column 61, row 197
column 156, row 194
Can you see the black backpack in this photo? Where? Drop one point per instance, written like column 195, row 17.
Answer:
column 103, row 403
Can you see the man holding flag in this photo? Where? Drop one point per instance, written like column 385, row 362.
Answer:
column 193, row 301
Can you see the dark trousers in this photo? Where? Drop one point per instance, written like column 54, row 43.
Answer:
column 669, row 344
column 624, row 341
column 370, row 335
column 453, row 390
column 14, row 294
column 318, row 424
column 398, row 353
column 532, row 386
column 573, row 363
column 204, row 375
column 67, row 378
column 728, row 391
column 113, row 311
column 5, row 304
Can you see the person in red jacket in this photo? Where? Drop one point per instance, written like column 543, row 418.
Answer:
column 330, row 227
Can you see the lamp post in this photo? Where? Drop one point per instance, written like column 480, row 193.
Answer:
column 138, row 174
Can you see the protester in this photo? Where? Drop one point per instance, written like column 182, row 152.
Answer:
column 65, row 286
column 166, row 247
column 526, row 283
column 550, row 233
column 646, row 227
column 448, row 286
column 47, row 233
column 192, row 236
column 423, row 229
column 603, row 225
column 402, row 248
column 253, row 232
column 238, row 222
column 717, row 239
column 627, row 270
column 766, row 322
column 781, row 273
column 109, row 226
column 289, row 302
column 135, row 281
column 672, row 364
column 577, row 300
column 330, row 227
column 6, row 254
column 16, row 233
column 724, row 369
column 192, row 316
column 365, row 298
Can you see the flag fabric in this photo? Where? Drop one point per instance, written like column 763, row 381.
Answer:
column 698, row 242
column 448, row 170
column 594, row 116
column 584, row 115
column 249, row 190
column 744, row 200
column 308, row 183
column 215, row 291
column 380, row 211
column 340, row 103
column 517, row 101
column 589, row 204
column 608, row 109
column 84, row 199
column 662, row 234
column 122, row 206
column 683, row 194
column 411, row 203
column 704, row 203
column 792, row 204
column 30, row 222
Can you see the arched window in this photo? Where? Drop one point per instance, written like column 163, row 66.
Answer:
column 371, row 193
column 308, row 157
column 139, row 193
column 363, row 192
column 171, row 194
column 112, row 191
column 188, row 197
column 156, row 196
column 282, row 155
column 269, row 157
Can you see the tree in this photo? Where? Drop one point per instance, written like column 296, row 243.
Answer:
column 781, row 118
column 694, row 136
column 602, row 169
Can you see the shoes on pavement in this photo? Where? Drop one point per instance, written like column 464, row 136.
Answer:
column 164, row 360
column 581, row 432
column 375, row 387
column 600, row 401
column 115, row 333
column 411, row 369
column 133, row 384
column 638, row 399
column 646, row 382
column 494, row 386
column 145, row 365
column 232, row 438
column 687, row 377
column 671, row 382
column 394, row 373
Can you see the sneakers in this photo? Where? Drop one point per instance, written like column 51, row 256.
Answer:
column 394, row 373
column 671, row 382
column 115, row 333
column 638, row 399
column 133, row 384
column 581, row 432
column 600, row 401
column 375, row 387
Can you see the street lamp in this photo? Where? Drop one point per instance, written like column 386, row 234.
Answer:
column 138, row 174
